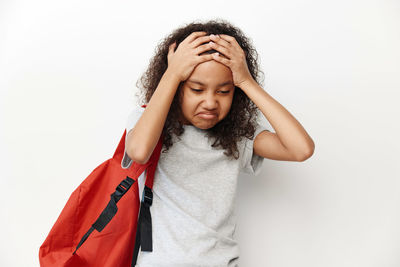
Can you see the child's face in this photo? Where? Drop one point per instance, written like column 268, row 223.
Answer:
column 214, row 94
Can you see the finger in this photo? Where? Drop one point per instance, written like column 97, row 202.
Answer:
column 193, row 36
column 200, row 40
column 221, row 49
column 171, row 51
column 232, row 44
column 228, row 38
column 221, row 59
column 221, row 41
column 202, row 48
column 204, row 58
column 171, row 47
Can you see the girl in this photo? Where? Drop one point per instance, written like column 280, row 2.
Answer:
column 202, row 92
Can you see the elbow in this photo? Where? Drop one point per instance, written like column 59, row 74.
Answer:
column 304, row 157
column 138, row 156
column 136, row 152
column 307, row 153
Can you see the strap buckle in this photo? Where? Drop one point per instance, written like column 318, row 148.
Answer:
column 123, row 186
column 147, row 197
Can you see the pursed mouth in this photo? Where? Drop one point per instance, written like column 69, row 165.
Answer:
column 207, row 115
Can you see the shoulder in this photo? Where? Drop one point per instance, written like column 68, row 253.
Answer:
column 136, row 109
column 249, row 142
column 134, row 115
column 251, row 162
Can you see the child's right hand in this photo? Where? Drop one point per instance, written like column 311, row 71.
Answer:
column 186, row 57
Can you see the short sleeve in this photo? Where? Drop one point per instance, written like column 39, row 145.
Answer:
column 251, row 162
column 133, row 117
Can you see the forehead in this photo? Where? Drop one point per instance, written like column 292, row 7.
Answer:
column 211, row 73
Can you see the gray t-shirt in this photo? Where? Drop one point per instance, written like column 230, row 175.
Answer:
column 194, row 190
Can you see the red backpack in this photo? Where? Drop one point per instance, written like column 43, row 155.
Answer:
column 120, row 229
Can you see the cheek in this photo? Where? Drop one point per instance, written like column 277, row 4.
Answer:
column 187, row 105
column 228, row 103
column 226, row 108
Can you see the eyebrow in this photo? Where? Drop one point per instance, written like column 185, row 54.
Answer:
column 202, row 84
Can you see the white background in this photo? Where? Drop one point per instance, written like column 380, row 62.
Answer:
column 68, row 74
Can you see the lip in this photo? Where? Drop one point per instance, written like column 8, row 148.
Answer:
column 207, row 115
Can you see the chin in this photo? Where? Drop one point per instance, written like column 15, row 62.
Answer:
column 205, row 125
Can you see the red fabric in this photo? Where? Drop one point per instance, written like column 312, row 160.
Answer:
column 114, row 245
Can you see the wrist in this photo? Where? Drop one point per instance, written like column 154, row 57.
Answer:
column 247, row 83
column 172, row 76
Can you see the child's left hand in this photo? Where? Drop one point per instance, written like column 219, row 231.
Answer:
column 236, row 59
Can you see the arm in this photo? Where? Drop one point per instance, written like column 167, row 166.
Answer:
column 290, row 142
column 143, row 138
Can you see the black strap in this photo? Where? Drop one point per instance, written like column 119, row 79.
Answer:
column 144, row 228
column 111, row 209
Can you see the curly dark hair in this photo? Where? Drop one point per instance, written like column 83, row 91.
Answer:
column 242, row 117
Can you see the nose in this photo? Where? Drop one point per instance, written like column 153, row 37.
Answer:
column 210, row 101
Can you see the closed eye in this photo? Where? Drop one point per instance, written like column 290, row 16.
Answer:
column 199, row 90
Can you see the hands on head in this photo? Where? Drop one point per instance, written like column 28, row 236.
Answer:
column 199, row 47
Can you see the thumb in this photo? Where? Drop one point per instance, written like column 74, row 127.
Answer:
column 172, row 47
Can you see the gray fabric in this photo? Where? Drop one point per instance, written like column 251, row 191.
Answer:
column 193, row 200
